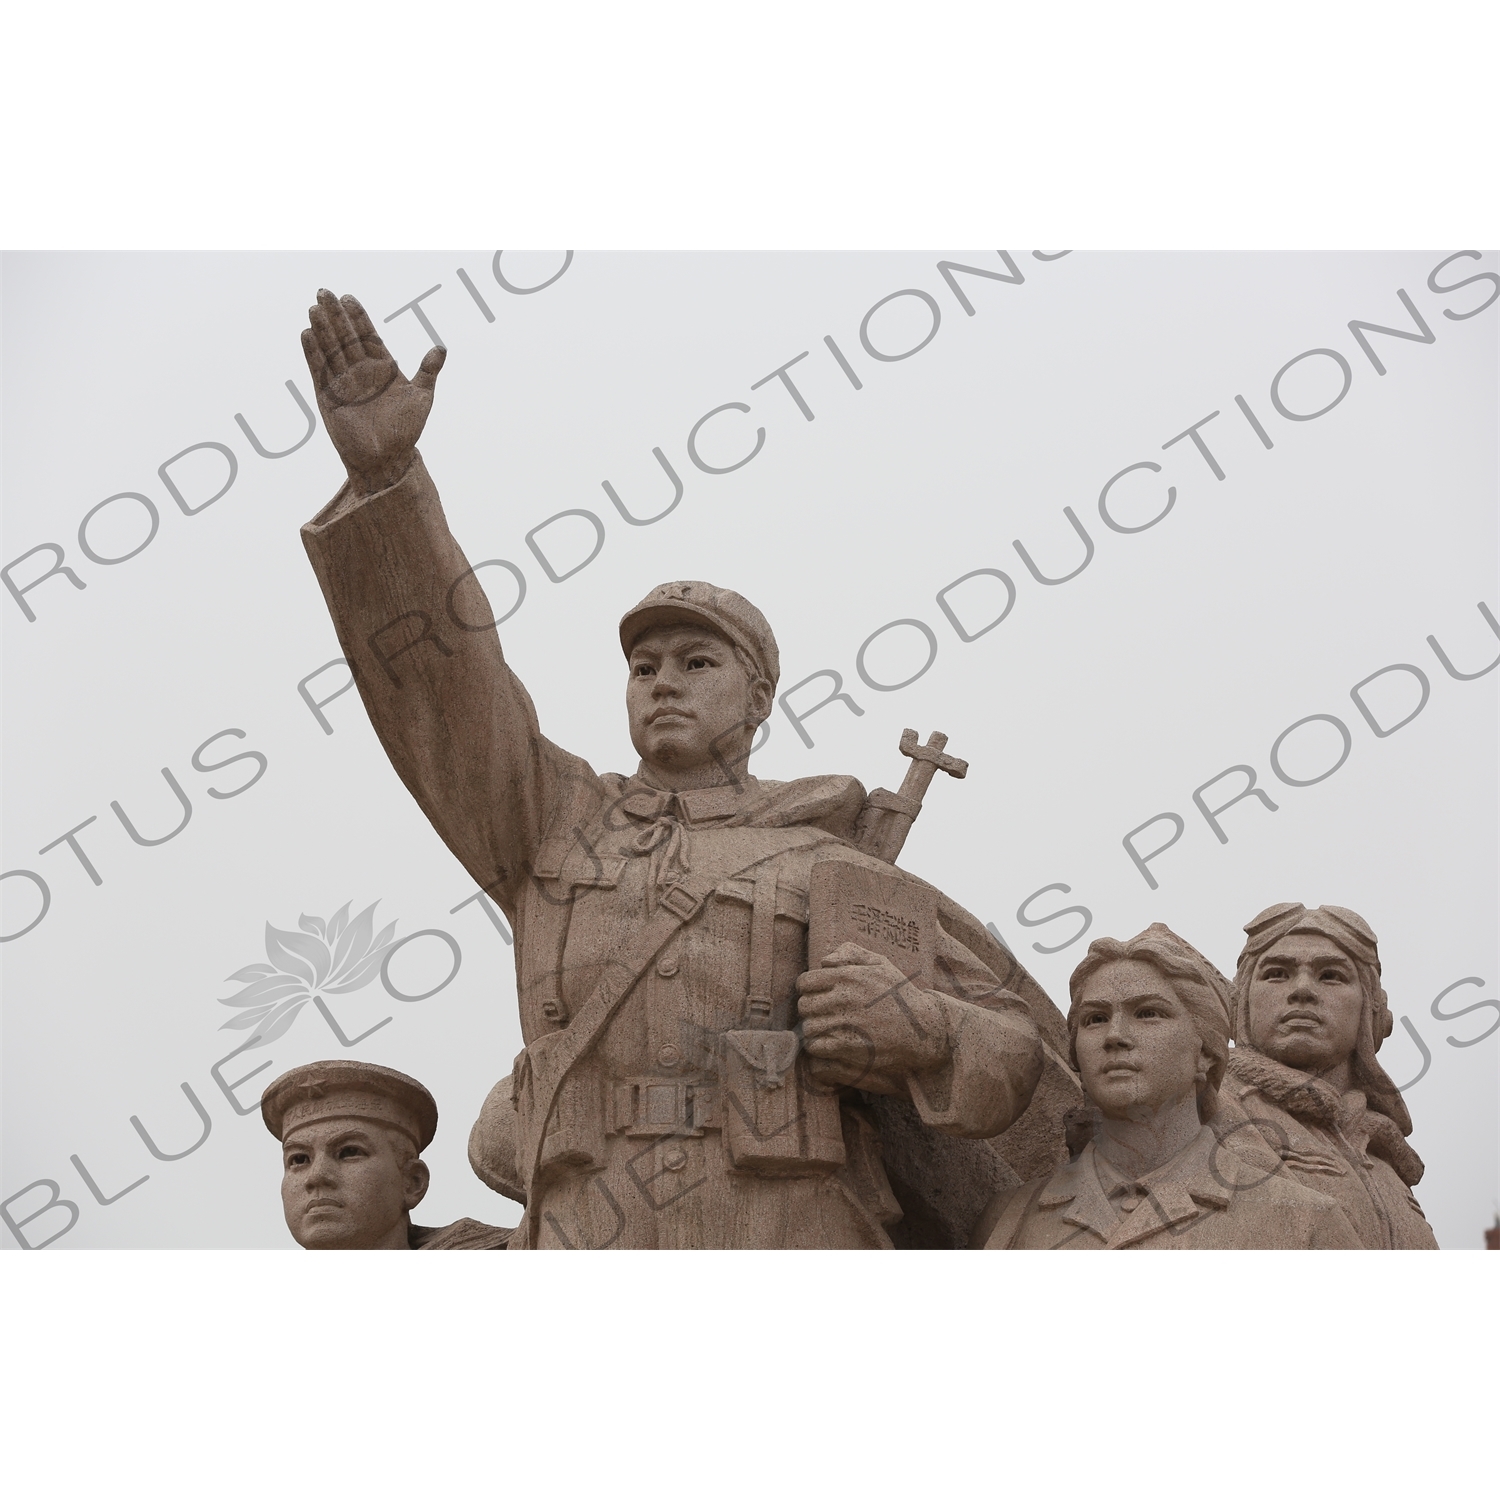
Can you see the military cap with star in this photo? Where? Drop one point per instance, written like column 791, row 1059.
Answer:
column 345, row 1088
column 693, row 602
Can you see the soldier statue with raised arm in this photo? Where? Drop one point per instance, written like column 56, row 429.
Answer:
column 693, row 1076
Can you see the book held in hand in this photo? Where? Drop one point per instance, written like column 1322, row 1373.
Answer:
column 882, row 910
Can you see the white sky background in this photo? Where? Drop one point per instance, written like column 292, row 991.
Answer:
column 1294, row 125
column 1096, row 704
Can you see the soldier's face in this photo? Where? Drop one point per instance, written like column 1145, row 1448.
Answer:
column 1137, row 1045
column 1305, row 1003
column 691, row 705
column 344, row 1187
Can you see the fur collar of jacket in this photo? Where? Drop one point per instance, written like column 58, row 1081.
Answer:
column 1309, row 1098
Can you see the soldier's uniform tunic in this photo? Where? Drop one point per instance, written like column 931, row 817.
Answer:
column 635, row 1154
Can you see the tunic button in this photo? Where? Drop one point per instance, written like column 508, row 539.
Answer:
column 674, row 1158
column 668, row 1056
column 666, row 967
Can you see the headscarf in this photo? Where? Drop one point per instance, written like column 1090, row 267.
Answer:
column 1197, row 983
column 1352, row 935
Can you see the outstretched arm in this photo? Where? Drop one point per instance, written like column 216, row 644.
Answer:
column 411, row 617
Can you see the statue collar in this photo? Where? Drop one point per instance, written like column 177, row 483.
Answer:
column 831, row 803
column 1176, row 1191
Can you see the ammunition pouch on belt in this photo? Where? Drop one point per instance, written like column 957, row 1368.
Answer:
column 777, row 1122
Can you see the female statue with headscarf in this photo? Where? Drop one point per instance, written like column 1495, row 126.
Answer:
column 1309, row 1016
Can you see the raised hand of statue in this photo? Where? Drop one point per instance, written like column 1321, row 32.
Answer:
column 866, row 1025
column 373, row 413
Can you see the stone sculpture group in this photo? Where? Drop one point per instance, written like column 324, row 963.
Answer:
column 746, row 1028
